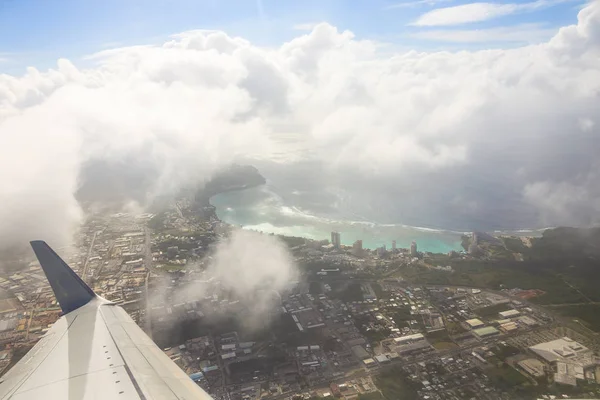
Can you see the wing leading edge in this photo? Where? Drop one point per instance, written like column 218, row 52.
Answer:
column 95, row 350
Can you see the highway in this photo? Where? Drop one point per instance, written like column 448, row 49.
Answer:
column 84, row 275
column 148, row 265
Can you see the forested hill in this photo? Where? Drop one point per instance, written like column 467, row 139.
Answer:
column 560, row 243
column 235, row 177
column 567, row 243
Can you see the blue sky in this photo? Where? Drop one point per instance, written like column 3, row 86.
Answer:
column 38, row 32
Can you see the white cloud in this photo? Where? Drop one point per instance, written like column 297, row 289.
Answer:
column 477, row 12
column 524, row 33
column 415, row 130
column 561, row 203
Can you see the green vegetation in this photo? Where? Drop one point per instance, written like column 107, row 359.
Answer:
column 563, row 263
column 515, row 245
column 379, row 292
column 394, row 384
column 492, row 311
column 437, row 259
column 444, row 345
column 292, row 241
column 315, row 288
column 440, row 340
column 588, row 314
column 465, row 242
column 157, row 222
column 455, row 328
column 402, row 316
column 503, row 351
column 171, row 242
column 549, row 276
column 235, row 177
column 373, row 335
column 440, row 334
column 370, row 396
column 352, row 292
column 172, row 267
column 505, row 377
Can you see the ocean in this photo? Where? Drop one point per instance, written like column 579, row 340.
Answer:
column 269, row 209
column 262, row 209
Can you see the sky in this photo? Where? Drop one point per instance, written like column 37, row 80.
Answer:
column 38, row 32
column 359, row 108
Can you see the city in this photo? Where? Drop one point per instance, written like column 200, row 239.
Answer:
column 351, row 325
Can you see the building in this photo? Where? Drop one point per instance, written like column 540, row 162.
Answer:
column 485, row 332
column 508, row 327
column 381, row 251
column 368, row 292
column 565, row 349
column 172, row 251
column 409, row 338
column 357, row 248
column 336, row 240
column 474, row 323
column 360, row 352
column 533, row 367
column 525, row 320
column 369, row 362
column 509, row 313
column 382, row 359
column 393, row 246
column 413, row 249
column 412, row 348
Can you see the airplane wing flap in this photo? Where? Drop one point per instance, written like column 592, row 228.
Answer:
column 157, row 376
column 74, row 355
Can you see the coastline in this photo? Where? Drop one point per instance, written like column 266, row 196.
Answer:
column 311, row 227
column 372, row 234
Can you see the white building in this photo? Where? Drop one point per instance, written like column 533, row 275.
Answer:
column 565, row 349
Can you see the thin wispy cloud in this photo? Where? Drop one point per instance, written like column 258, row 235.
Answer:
column 524, row 34
column 416, row 3
column 478, row 12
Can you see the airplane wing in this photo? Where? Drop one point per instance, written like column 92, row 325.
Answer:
column 94, row 351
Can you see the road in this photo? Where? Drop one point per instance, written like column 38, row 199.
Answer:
column 148, row 265
column 84, row 275
column 594, row 303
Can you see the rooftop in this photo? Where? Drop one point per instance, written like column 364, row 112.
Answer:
column 473, row 323
column 487, row 331
column 559, row 349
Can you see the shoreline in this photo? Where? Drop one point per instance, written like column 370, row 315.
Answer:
column 440, row 241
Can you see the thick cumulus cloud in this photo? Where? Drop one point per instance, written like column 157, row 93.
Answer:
column 502, row 135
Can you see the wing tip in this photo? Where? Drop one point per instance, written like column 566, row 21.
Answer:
column 70, row 290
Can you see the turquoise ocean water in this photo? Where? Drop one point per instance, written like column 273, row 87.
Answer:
column 263, row 210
